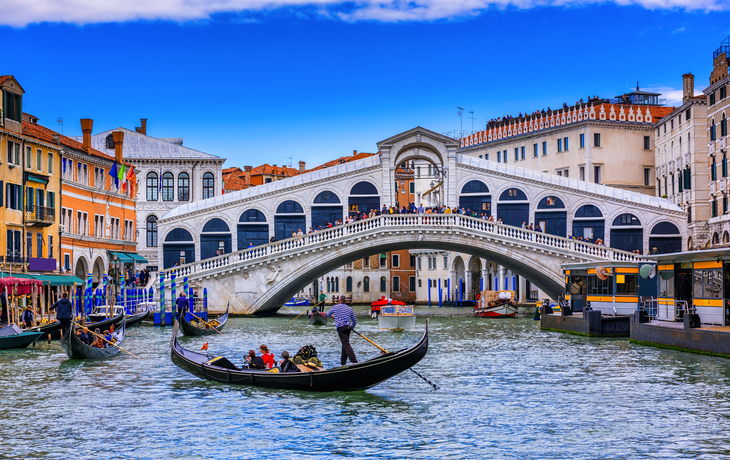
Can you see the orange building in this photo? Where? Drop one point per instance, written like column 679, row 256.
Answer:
column 97, row 220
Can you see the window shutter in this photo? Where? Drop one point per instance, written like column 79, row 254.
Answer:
column 680, row 181
column 19, row 197
column 2, row 203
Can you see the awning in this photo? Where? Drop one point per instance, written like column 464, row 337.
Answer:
column 123, row 257
column 138, row 258
column 59, row 280
column 36, row 179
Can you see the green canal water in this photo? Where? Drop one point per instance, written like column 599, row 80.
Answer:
column 508, row 390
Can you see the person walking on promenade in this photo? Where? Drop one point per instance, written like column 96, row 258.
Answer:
column 64, row 312
column 345, row 321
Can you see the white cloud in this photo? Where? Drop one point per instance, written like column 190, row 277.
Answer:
column 672, row 95
column 19, row 13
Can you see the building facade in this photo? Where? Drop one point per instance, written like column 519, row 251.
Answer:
column 168, row 175
column 718, row 111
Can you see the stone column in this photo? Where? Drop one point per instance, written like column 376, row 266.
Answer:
column 502, row 277
column 485, row 276
column 523, row 290
column 467, row 284
column 453, row 284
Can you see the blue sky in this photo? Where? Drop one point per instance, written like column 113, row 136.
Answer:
column 259, row 84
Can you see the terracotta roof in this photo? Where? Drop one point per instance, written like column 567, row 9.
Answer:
column 342, row 160
column 274, row 170
column 235, row 179
column 44, row 134
column 661, row 112
column 4, row 78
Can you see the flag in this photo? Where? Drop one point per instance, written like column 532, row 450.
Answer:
column 120, row 174
column 159, row 181
column 205, row 346
column 113, row 173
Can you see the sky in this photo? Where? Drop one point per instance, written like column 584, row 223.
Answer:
column 259, row 81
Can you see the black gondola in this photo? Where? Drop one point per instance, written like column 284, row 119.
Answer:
column 107, row 323
column 189, row 329
column 75, row 349
column 317, row 318
column 358, row 376
column 53, row 328
column 137, row 318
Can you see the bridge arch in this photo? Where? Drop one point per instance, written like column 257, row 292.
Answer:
column 252, row 229
column 665, row 238
column 178, row 247
column 215, row 238
column 627, row 233
column 475, row 195
column 289, row 218
column 551, row 215
column 588, row 222
column 513, row 206
column 326, row 208
column 362, row 197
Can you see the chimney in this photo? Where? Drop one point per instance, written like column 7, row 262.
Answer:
column 56, row 138
column 354, row 153
column 688, row 87
column 142, row 129
column 247, row 168
column 118, row 142
column 302, row 166
column 86, row 125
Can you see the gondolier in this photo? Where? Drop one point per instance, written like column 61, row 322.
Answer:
column 345, row 321
column 64, row 312
column 180, row 303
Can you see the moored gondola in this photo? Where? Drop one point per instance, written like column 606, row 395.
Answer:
column 357, row 376
column 189, row 329
column 107, row 323
column 53, row 328
column 75, row 349
column 13, row 337
column 137, row 318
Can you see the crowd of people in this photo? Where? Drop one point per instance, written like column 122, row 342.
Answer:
column 95, row 340
column 591, row 100
column 306, row 356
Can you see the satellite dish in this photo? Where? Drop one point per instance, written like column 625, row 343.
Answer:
column 602, row 273
column 647, row 271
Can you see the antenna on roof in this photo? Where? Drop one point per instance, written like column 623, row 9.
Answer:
column 461, row 122
column 290, row 163
column 637, row 85
column 59, row 120
column 471, row 113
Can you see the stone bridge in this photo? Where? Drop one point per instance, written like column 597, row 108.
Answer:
column 263, row 278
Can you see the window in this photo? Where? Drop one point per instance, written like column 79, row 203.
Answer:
column 671, row 124
column 28, row 153
column 29, row 244
column 412, row 187
column 523, row 152
column 723, row 92
column 67, row 261
column 413, row 261
column 383, row 260
column 39, row 159
column 712, row 99
column 486, row 157
column 723, row 126
column 596, row 139
column 707, row 284
column 85, row 180
column 712, row 130
column 560, row 145
column 13, row 106
column 647, row 142
column 597, row 174
column 13, row 246
column 499, row 156
column 50, row 246
column 582, row 140
column 657, row 132
column 110, row 142
column 412, row 283
column 544, row 148
column 366, row 262
column 383, row 284
column 366, row 284
column 348, row 284
column 626, row 284
column 151, row 231
column 13, row 153
column 208, row 185
column 396, row 283
column 686, row 116
column 182, row 258
column 517, row 154
column 647, row 176
column 168, row 187
column 13, row 196
column 395, row 261
column 183, row 187
column 565, row 143
column 152, row 186
column 534, row 147
column 419, row 263
column 446, row 262
column 39, row 245
column 597, row 286
column 50, row 163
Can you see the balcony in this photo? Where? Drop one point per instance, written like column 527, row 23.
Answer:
column 713, row 187
column 670, row 166
column 711, row 148
column 39, row 216
column 722, row 143
column 12, row 259
column 686, row 159
column 687, row 195
column 664, row 170
column 678, row 163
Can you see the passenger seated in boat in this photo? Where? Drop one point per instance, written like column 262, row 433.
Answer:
column 255, row 362
column 286, row 365
column 267, row 356
column 84, row 336
column 109, row 337
column 98, row 342
column 307, row 355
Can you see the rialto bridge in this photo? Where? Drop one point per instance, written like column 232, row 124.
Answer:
column 262, row 278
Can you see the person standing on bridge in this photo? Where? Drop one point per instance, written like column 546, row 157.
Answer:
column 345, row 321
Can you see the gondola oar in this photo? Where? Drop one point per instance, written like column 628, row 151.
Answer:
column 204, row 321
column 300, row 314
column 435, row 387
column 110, row 343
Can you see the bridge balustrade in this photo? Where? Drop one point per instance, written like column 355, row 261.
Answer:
column 419, row 221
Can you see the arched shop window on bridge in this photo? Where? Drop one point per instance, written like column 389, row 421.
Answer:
column 551, row 216
column 475, row 196
column 178, row 248
column 289, row 219
column 363, row 197
column 215, row 239
column 513, row 207
column 327, row 208
column 588, row 223
column 252, row 229
column 665, row 238
column 627, row 233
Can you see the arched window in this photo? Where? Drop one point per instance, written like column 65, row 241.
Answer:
column 382, row 284
column 348, row 284
column 626, row 219
column 110, row 142
column 475, row 186
column 152, row 186
column 151, row 231
column 289, row 207
column 329, row 285
column 366, row 284
column 715, row 239
column 168, row 187
column 183, row 187
column 337, row 284
column 723, row 126
column 208, row 185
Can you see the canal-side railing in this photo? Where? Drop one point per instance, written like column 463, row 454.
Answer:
column 423, row 222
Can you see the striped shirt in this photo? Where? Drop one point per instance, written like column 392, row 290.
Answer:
column 343, row 315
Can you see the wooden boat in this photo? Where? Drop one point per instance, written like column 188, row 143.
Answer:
column 499, row 304
column 136, row 319
column 317, row 318
column 297, row 302
column 100, row 313
column 75, row 349
column 357, row 376
column 459, row 303
column 53, row 328
column 189, row 329
column 397, row 316
column 107, row 323
column 14, row 337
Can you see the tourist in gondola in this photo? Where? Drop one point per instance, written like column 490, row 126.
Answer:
column 267, row 356
column 85, row 336
column 286, row 365
column 255, row 362
column 64, row 312
column 180, row 303
column 27, row 317
column 345, row 321
column 98, row 342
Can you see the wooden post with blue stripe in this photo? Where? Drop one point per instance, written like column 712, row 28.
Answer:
column 89, row 293
column 173, row 291
column 205, row 303
column 162, row 298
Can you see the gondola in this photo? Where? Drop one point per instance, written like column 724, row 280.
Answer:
column 137, row 318
column 317, row 318
column 189, row 329
column 13, row 337
column 358, row 376
column 53, row 328
column 107, row 323
column 76, row 349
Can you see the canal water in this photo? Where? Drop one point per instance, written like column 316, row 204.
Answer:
column 508, row 390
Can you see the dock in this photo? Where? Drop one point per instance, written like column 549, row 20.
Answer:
column 590, row 323
column 704, row 339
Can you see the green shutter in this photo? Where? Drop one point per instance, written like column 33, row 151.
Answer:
column 19, row 197
column 680, row 181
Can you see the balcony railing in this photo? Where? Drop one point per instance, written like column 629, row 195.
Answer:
column 40, row 214
column 13, row 259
